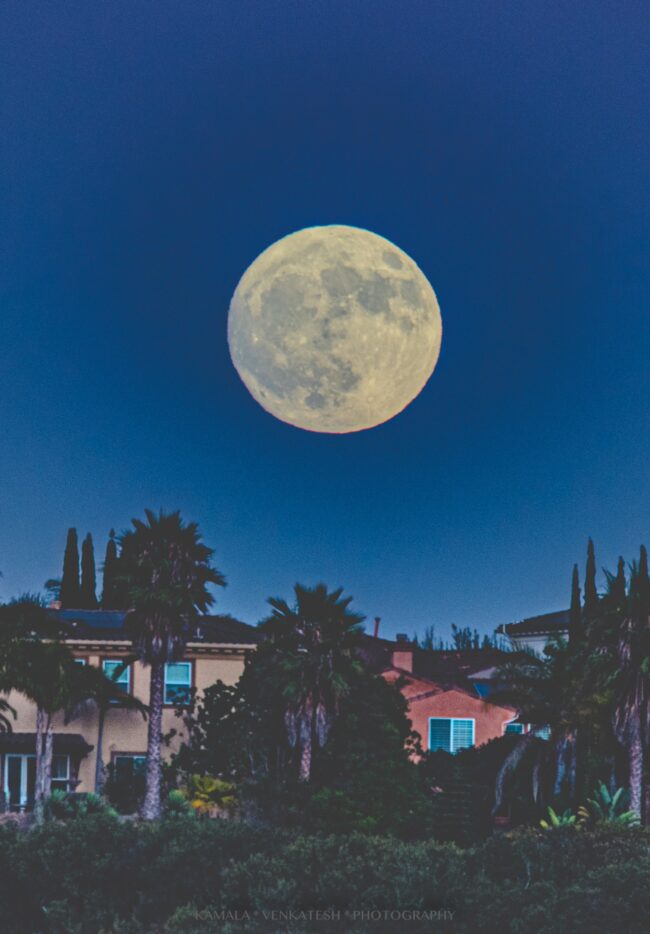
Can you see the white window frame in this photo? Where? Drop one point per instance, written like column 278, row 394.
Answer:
column 23, row 756
column 177, row 684
column 127, row 671
column 130, row 755
column 451, row 721
column 63, row 778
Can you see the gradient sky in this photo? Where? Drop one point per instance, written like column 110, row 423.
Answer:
column 149, row 152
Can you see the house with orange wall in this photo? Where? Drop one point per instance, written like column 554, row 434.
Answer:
column 447, row 692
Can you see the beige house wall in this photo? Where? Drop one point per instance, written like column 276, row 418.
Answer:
column 126, row 730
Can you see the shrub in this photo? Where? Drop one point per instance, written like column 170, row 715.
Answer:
column 97, row 873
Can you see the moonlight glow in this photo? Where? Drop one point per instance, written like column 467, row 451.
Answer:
column 334, row 329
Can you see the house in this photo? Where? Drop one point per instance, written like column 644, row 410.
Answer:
column 216, row 650
column 534, row 633
column 447, row 691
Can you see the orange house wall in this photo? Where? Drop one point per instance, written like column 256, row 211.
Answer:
column 490, row 720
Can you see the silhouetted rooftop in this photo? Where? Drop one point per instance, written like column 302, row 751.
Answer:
column 109, row 624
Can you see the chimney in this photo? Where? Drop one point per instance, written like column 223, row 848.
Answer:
column 403, row 653
column 377, row 622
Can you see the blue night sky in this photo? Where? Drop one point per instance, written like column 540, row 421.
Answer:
column 149, row 152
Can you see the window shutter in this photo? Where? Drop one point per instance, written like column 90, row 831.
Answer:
column 462, row 734
column 440, row 734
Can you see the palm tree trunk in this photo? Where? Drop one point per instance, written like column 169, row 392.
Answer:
column 47, row 758
column 100, row 773
column 44, row 748
column 510, row 765
column 305, row 759
column 38, row 782
column 635, row 759
column 151, row 807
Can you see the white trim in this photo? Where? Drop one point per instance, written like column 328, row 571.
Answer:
column 23, row 756
column 451, row 721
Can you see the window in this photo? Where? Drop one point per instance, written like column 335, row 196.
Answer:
column 80, row 661
column 544, row 732
column 482, row 688
column 450, row 733
column 178, row 682
column 514, row 728
column 60, row 773
column 129, row 765
column 111, row 666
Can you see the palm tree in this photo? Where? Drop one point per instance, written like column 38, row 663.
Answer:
column 314, row 642
column 91, row 686
column 631, row 681
column 166, row 569
column 544, row 691
column 35, row 663
column 6, row 711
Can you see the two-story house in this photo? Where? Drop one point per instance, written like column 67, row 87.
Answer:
column 215, row 651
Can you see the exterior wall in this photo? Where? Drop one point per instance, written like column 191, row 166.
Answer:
column 490, row 720
column 403, row 659
column 126, row 730
column 535, row 643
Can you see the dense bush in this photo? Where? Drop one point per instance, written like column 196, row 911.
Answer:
column 99, row 874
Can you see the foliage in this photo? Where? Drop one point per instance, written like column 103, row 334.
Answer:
column 166, row 571
column 177, row 804
column 361, row 779
column 592, row 692
column 101, row 874
column 608, row 808
column 110, row 589
column 312, row 644
column 63, row 805
column 209, row 795
column 565, row 819
column 70, row 593
column 88, row 597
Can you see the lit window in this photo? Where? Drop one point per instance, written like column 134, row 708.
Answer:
column 80, row 661
column 111, row 667
column 450, row 733
column 178, row 682
column 514, row 728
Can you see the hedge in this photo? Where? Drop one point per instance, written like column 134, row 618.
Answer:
column 184, row 876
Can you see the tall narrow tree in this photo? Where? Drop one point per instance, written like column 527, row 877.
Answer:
column 575, row 613
column 88, row 578
column 591, row 593
column 110, row 583
column 70, row 594
column 167, row 570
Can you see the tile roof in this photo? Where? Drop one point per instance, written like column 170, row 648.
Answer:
column 546, row 623
column 108, row 625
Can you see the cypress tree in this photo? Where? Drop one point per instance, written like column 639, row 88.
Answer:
column 70, row 591
column 591, row 594
column 644, row 583
column 575, row 613
column 109, row 592
column 88, row 579
column 617, row 585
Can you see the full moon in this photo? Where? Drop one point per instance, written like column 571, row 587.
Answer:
column 334, row 329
